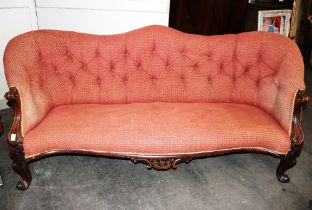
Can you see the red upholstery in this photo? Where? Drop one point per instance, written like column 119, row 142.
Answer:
column 156, row 128
column 152, row 64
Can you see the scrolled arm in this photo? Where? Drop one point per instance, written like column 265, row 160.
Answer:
column 29, row 102
column 290, row 81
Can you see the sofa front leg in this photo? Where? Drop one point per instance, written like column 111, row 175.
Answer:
column 288, row 162
column 20, row 166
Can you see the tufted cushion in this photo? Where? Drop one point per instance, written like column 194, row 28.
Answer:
column 153, row 64
column 156, row 128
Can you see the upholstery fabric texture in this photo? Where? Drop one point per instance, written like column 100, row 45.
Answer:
column 156, row 128
column 56, row 69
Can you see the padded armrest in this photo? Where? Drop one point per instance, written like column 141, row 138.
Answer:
column 290, row 80
column 17, row 58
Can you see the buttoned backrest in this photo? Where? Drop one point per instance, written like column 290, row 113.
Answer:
column 151, row 64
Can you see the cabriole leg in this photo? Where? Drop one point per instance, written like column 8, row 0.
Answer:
column 288, row 162
column 20, row 166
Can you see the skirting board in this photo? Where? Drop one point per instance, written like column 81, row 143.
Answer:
column 3, row 104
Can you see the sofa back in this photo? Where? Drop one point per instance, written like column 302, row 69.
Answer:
column 151, row 64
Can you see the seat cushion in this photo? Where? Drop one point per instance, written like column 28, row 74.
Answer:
column 156, row 128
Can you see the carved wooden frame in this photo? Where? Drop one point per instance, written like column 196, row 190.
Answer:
column 15, row 141
column 158, row 162
column 296, row 138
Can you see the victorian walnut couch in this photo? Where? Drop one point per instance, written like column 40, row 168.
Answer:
column 153, row 95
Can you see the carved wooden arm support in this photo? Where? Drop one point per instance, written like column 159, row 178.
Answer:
column 296, row 138
column 15, row 134
column 15, row 141
column 296, row 132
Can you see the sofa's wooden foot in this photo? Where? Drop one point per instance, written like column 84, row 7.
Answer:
column 22, row 169
column 22, row 185
column 287, row 162
column 20, row 166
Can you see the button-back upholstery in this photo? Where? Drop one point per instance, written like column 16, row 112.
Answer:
column 153, row 64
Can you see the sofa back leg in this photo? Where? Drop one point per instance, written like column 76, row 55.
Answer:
column 20, row 166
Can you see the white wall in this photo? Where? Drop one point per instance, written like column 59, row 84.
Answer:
column 89, row 16
column 16, row 17
column 101, row 16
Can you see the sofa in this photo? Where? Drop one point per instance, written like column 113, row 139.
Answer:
column 153, row 95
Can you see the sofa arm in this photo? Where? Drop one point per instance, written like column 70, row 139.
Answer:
column 24, row 94
column 290, row 81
